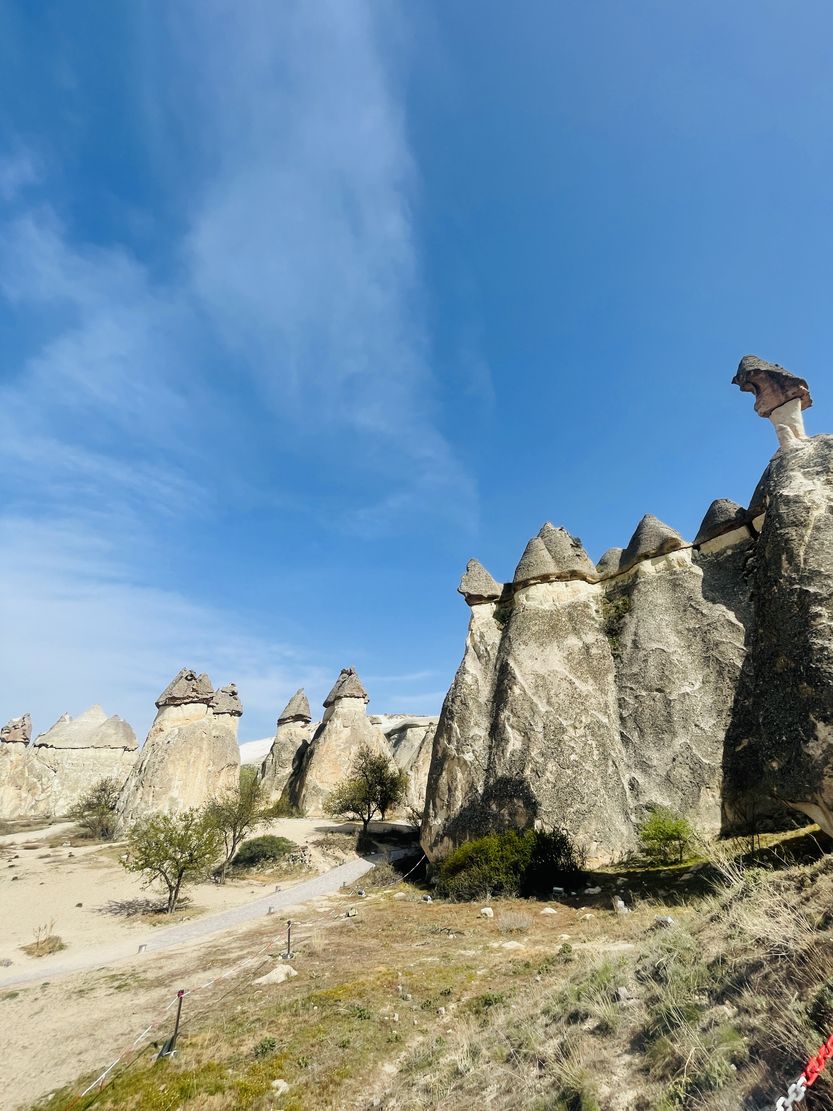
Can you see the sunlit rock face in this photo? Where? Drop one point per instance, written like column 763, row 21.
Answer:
column 191, row 753
column 344, row 728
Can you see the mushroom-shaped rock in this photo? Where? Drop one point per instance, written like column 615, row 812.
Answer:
column 477, row 585
column 652, row 538
column 227, row 701
column 569, row 556
column 17, row 731
column 771, row 384
column 296, row 709
column 723, row 515
column 536, row 565
column 348, row 685
column 185, row 688
column 609, row 563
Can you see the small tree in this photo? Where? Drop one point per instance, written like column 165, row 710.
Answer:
column 664, row 834
column 374, row 786
column 234, row 814
column 173, row 849
column 95, row 811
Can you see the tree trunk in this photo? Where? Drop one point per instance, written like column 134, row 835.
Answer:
column 173, row 895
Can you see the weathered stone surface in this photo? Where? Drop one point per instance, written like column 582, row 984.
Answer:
column 345, row 727
column 570, row 559
column 227, row 701
column 49, row 778
column 536, row 564
column 17, row 731
column 190, row 755
column 477, row 585
column 772, row 385
column 723, row 515
column 784, row 710
column 296, row 709
column 292, row 737
column 529, row 731
column 186, row 687
column 348, row 685
column 609, row 563
column 411, row 740
column 652, row 538
column 676, row 629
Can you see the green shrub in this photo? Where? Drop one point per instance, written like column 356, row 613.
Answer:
column 95, row 811
column 258, row 850
column 665, row 835
column 507, row 863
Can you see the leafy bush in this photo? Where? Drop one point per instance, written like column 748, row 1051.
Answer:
column 665, row 835
column 507, row 863
column 258, row 850
column 95, row 811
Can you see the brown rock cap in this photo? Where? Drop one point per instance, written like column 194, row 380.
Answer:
column 227, row 701
column 186, row 687
column 771, row 384
column 477, row 585
column 17, row 731
column 348, row 685
column 296, row 709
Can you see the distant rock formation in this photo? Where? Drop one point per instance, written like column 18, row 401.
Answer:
column 292, row 737
column 692, row 675
column 344, row 728
column 191, row 753
column 17, row 731
column 411, row 740
column 48, row 778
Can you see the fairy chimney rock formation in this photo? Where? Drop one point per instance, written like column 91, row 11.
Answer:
column 779, row 396
column 191, row 754
column 17, row 731
column 477, row 585
column 292, row 737
column 344, row 728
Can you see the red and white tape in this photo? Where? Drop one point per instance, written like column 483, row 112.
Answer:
column 798, row 1089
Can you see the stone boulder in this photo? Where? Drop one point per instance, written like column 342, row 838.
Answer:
column 344, row 728
column 292, row 736
column 191, row 753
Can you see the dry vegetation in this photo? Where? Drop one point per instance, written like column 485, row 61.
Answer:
column 415, row 1005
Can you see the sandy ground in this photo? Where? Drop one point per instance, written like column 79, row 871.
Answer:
column 51, row 878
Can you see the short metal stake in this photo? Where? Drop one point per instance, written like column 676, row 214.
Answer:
column 169, row 1048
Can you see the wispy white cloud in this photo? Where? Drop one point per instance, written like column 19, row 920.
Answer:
column 17, row 171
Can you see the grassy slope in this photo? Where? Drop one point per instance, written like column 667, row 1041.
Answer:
column 415, row 1005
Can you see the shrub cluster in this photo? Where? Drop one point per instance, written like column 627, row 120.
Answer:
column 259, row 850
column 509, row 863
column 666, row 835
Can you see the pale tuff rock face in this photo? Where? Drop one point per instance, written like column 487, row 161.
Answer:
column 477, row 585
column 411, row 740
column 17, row 731
column 345, row 727
column 292, row 737
column 50, row 777
column 191, row 754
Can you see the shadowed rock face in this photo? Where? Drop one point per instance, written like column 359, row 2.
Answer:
column 784, row 710
column 771, row 384
column 17, row 731
column 292, row 736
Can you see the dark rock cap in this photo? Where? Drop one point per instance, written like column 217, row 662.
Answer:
column 652, row 538
column 609, row 563
column 477, row 585
column 227, row 701
column 536, row 563
column 723, row 515
column 567, row 552
column 186, row 687
column 296, row 709
column 17, row 731
column 771, row 384
column 348, row 685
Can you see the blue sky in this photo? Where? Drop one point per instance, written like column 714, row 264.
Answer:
column 302, row 305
